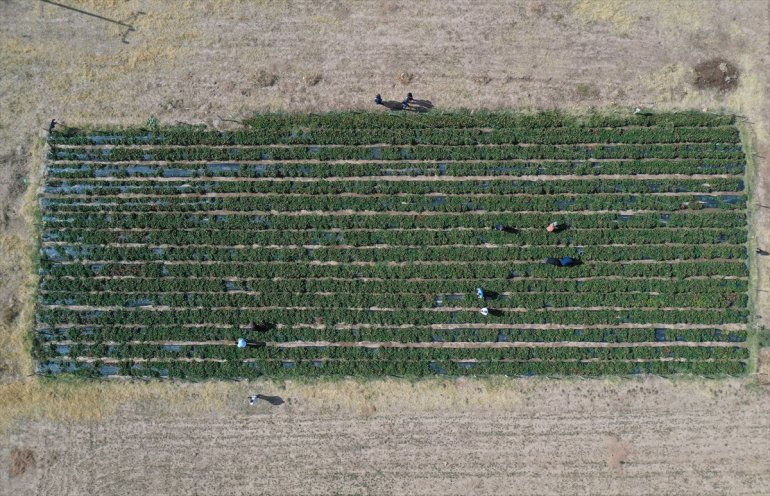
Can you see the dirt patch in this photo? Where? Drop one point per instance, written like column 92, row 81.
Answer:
column 587, row 91
column 22, row 459
column 763, row 369
column 312, row 79
column 9, row 310
column 535, row 8
column 13, row 183
column 717, row 74
column 265, row 79
column 388, row 8
column 405, row 78
column 617, row 452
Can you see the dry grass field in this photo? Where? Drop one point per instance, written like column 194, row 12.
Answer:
column 217, row 61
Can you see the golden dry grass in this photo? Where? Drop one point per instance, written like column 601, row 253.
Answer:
column 613, row 12
column 75, row 400
column 16, row 257
column 623, row 15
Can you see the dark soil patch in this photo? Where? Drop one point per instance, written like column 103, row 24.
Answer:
column 716, row 74
column 265, row 79
column 22, row 459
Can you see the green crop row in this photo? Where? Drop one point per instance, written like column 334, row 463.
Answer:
column 388, row 120
column 440, row 287
column 54, row 316
column 322, row 187
column 482, row 119
column 230, row 352
column 391, row 300
column 390, row 254
column 98, row 217
column 398, row 168
column 100, row 334
column 470, row 236
column 428, row 136
column 426, row 152
column 379, row 368
column 469, row 270
column 576, row 220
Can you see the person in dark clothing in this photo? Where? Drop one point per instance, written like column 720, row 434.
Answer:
column 409, row 98
column 52, row 125
column 378, row 99
column 563, row 262
column 405, row 105
column 567, row 261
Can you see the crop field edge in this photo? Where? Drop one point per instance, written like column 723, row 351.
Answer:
column 747, row 190
column 754, row 330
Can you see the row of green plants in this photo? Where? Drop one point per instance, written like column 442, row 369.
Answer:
column 123, row 334
column 391, row 300
column 515, row 286
column 230, row 352
column 428, row 136
column 468, row 236
column 104, row 216
column 424, row 152
column 485, row 119
column 390, row 254
column 468, row 270
column 56, row 316
column 387, row 120
column 379, row 368
column 519, row 220
column 384, row 187
column 398, row 168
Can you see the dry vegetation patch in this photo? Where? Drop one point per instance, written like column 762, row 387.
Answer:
column 22, row 459
column 265, row 78
column 718, row 74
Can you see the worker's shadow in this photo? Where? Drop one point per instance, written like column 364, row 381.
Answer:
column 491, row 295
column 256, row 344
column 392, row 105
column 273, row 400
column 496, row 312
column 420, row 106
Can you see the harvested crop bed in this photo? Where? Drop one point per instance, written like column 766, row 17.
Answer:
column 353, row 244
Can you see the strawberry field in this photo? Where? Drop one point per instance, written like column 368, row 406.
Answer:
column 354, row 244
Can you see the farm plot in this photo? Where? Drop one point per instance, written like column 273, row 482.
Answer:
column 353, row 244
